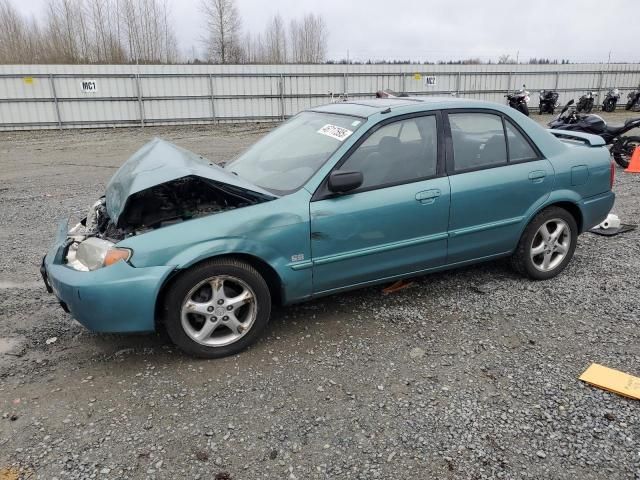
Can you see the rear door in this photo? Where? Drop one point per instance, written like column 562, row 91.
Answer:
column 497, row 177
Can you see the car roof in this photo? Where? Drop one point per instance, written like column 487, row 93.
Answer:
column 367, row 107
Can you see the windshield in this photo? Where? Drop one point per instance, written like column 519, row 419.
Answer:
column 287, row 157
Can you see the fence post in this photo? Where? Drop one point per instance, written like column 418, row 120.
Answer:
column 458, row 84
column 557, row 80
column 213, row 104
column 600, row 88
column 404, row 82
column 55, row 100
column 509, row 84
column 140, row 105
column 281, row 88
column 345, row 85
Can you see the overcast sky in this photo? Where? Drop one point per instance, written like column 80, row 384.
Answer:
column 580, row 30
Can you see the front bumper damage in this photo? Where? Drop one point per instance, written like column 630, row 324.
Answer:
column 118, row 298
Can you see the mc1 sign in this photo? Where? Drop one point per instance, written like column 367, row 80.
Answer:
column 88, row 86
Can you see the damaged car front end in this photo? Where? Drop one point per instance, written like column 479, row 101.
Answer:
column 161, row 185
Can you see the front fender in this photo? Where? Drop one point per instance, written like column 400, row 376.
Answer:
column 295, row 281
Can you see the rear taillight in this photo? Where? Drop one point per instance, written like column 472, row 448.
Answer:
column 612, row 175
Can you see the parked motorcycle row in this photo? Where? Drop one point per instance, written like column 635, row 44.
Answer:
column 621, row 147
column 577, row 117
column 549, row 101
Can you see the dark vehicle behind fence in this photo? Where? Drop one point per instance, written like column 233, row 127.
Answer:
column 611, row 100
column 622, row 147
column 548, row 101
column 519, row 100
column 585, row 103
column 633, row 101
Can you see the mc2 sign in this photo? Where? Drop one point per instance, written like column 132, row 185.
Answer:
column 88, row 86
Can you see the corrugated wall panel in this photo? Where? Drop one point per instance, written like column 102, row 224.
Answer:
column 202, row 93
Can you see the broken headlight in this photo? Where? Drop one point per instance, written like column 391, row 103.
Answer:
column 94, row 253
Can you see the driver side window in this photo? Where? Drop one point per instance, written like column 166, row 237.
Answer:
column 400, row 152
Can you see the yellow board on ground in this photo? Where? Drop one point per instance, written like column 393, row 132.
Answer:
column 612, row 380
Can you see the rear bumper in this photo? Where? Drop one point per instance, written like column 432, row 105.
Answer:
column 595, row 209
column 118, row 298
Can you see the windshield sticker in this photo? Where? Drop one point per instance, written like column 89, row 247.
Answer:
column 356, row 123
column 333, row 131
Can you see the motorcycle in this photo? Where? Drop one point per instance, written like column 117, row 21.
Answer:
column 611, row 100
column 519, row 100
column 633, row 101
column 585, row 103
column 548, row 101
column 621, row 147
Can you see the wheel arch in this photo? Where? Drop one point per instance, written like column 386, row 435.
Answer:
column 568, row 205
column 270, row 275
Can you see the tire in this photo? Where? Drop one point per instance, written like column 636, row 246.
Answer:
column 524, row 108
column 623, row 149
column 589, row 108
column 628, row 105
column 541, row 110
column 190, row 294
column 522, row 259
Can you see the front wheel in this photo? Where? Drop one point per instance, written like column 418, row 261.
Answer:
column 524, row 108
column 547, row 244
column 217, row 308
column 623, row 149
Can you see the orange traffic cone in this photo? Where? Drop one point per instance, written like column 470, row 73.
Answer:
column 634, row 164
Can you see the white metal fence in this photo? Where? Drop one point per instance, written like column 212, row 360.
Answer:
column 74, row 96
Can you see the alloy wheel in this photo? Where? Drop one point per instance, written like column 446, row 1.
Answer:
column 218, row 311
column 550, row 244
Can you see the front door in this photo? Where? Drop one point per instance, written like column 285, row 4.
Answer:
column 396, row 222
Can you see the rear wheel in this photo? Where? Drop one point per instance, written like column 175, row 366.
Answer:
column 217, row 308
column 623, row 150
column 547, row 244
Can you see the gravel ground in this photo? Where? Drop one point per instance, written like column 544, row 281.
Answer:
column 468, row 374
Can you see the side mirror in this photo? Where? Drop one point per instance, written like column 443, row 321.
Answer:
column 342, row 181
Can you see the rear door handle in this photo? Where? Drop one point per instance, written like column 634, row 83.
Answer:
column 537, row 176
column 427, row 197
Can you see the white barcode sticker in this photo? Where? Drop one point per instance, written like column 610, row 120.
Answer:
column 333, row 131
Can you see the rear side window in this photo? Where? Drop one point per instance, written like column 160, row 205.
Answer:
column 519, row 147
column 478, row 140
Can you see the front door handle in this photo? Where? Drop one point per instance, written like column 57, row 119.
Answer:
column 537, row 176
column 427, row 197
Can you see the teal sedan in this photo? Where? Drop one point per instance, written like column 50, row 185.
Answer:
column 338, row 197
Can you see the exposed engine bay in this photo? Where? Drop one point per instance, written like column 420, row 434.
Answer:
column 155, row 207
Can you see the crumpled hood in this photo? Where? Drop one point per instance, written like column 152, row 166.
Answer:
column 159, row 162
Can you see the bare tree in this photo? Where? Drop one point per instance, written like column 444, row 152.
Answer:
column 505, row 59
column 223, row 30
column 275, row 41
column 149, row 36
column 19, row 38
column 308, row 39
